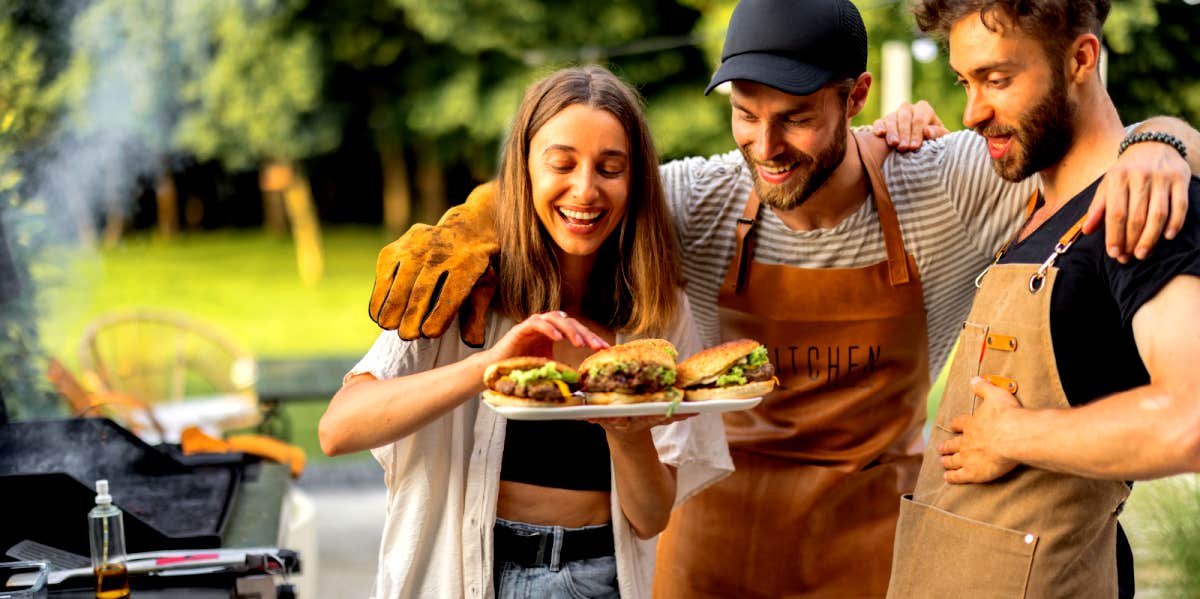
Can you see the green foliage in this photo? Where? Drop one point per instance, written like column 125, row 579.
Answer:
column 932, row 81
column 491, row 51
column 684, row 122
column 23, row 106
column 528, row 28
column 1175, row 514
column 257, row 89
column 1153, row 61
column 23, row 116
column 227, row 80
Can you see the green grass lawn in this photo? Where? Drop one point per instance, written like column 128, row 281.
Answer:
column 240, row 281
column 243, row 282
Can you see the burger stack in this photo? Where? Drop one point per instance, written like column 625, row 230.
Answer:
column 635, row 372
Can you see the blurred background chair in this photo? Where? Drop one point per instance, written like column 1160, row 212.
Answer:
column 186, row 372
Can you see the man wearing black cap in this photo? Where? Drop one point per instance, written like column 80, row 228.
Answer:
column 856, row 277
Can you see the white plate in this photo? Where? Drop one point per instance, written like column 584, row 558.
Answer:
column 656, row 408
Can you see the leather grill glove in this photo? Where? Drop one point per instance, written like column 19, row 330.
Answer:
column 430, row 273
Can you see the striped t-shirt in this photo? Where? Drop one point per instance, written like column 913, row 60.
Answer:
column 954, row 213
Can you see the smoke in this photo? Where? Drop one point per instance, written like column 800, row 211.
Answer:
column 117, row 93
column 111, row 72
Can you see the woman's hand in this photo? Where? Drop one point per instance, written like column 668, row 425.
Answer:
column 627, row 428
column 645, row 486
column 536, row 335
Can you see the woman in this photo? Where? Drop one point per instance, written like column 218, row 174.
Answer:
column 478, row 504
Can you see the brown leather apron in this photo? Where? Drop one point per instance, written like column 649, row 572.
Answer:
column 1032, row 532
column 821, row 462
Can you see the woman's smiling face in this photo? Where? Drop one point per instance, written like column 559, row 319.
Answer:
column 579, row 174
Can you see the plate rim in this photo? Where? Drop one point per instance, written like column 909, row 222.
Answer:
column 572, row 412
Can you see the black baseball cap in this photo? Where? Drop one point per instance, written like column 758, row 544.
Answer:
column 794, row 46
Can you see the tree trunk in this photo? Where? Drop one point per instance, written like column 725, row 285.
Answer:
column 306, row 228
column 85, row 225
column 431, row 188
column 397, row 198
column 193, row 212
column 114, row 226
column 166, row 199
column 114, row 214
column 273, row 180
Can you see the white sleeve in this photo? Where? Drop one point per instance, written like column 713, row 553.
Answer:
column 391, row 357
column 695, row 447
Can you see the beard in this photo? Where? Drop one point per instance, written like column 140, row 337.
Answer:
column 1042, row 136
column 809, row 172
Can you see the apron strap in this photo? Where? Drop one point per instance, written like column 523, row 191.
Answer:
column 893, row 241
column 735, row 278
column 1064, row 243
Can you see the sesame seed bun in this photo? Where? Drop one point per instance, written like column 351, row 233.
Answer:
column 659, row 344
column 643, row 353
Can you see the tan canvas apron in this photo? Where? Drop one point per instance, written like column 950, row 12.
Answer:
column 821, row 462
column 1032, row 532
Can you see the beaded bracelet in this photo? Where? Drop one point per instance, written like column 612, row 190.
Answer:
column 1158, row 136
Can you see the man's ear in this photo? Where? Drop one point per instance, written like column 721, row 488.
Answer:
column 1083, row 58
column 858, row 95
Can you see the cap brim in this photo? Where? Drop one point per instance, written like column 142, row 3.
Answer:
column 780, row 72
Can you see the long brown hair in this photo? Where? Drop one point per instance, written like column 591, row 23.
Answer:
column 632, row 286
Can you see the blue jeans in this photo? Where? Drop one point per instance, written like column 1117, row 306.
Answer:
column 580, row 579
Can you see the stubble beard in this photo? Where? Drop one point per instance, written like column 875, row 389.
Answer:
column 811, row 172
column 1042, row 136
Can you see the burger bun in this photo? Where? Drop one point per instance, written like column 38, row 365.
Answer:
column 747, row 391
column 713, row 361
column 610, row 398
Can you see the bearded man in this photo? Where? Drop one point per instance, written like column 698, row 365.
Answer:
column 1075, row 372
column 850, row 264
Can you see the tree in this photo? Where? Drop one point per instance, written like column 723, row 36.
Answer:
column 254, row 98
column 24, row 115
column 1153, row 62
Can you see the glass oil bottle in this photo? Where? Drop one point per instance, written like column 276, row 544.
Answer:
column 108, row 546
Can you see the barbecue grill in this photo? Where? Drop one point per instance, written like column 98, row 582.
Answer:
column 170, row 502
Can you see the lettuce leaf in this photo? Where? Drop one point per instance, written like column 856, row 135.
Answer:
column 546, row 373
column 757, row 358
column 733, row 376
column 666, row 376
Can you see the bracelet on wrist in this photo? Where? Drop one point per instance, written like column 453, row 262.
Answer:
column 1156, row 136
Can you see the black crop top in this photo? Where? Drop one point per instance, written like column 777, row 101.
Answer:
column 563, row 454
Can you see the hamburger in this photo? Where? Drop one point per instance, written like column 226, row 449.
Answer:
column 660, row 344
column 530, row 382
column 635, row 372
column 734, row 370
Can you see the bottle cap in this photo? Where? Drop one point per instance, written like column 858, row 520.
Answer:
column 102, row 496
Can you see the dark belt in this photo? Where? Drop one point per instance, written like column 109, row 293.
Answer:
column 533, row 549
